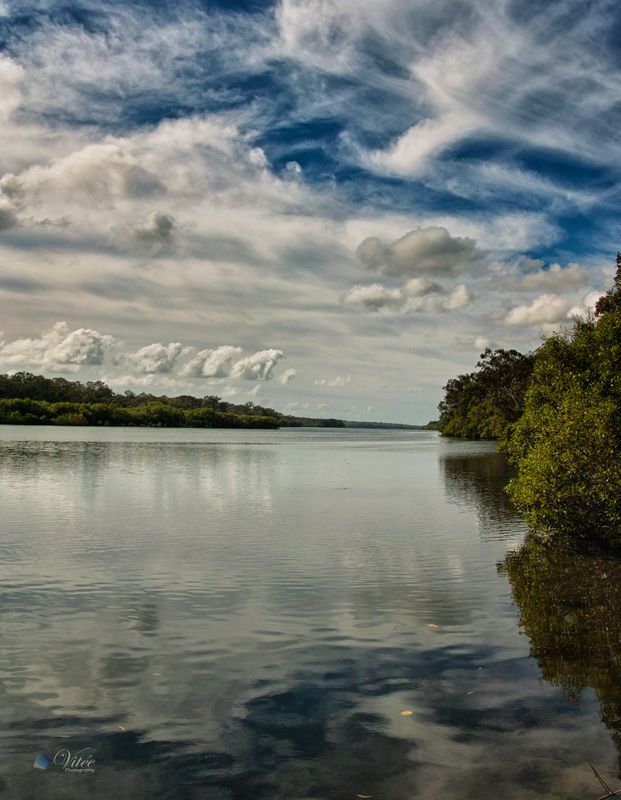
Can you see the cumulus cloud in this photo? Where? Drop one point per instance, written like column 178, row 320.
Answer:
column 216, row 363
column 59, row 347
column 154, row 358
column 423, row 250
column 158, row 229
column 8, row 217
column 417, row 295
column 420, row 287
column 62, row 349
column 288, row 376
column 98, row 172
column 586, row 306
column 258, row 366
column 225, row 362
column 547, row 308
column 292, row 171
column 458, row 298
column 555, row 277
column 376, row 297
column 339, row 381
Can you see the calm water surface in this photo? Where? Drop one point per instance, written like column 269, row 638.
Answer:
column 245, row 614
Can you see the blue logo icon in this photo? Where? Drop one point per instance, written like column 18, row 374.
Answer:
column 41, row 762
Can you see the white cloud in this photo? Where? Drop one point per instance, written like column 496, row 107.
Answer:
column 292, row 171
column 153, row 381
column 57, row 348
column 11, row 78
column 458, row 298
column 339, row 381
column 158, row 229
column 375, row 297
column 586, row 306
column 419, row 287
column 423, row 250
column 555, row 277
column 482, row 342
column 154, row 358
column 411, row 153
column 547, row 308
column 258, row 366
column 439, row 300
column 216, row 363
column 417, row 295
column 319, row 33
column 446, row 76
column 98, row 172
column 8, row 217
column 288, row 376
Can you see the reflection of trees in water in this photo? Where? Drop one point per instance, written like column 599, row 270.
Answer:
column 570, row 608
column 477, row 479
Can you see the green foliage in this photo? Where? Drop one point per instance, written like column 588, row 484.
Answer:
column 25, row 385
column 611, row 301
column 21, row 411
column 567, row 444
column 557, row 413
column 482, row 404
column 27, row 399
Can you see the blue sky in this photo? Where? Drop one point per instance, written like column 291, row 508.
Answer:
column 324, row 206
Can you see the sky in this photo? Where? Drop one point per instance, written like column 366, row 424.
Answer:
column 326, row 206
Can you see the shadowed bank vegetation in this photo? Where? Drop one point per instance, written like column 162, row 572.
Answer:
column 557, row 413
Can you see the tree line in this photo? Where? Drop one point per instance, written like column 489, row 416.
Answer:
column 557, row 414
column 28, row 399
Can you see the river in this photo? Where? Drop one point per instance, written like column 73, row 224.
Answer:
column 305, row 613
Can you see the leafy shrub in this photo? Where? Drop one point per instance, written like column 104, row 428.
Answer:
column 567, row 444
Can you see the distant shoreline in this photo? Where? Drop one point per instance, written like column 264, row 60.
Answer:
column 28, row 399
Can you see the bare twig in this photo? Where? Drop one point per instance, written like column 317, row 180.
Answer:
column 609, row 792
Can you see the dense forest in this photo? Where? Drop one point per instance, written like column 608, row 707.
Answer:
column 27, row 399
column 557, row 413
column 483, row 403
column 35, row 400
